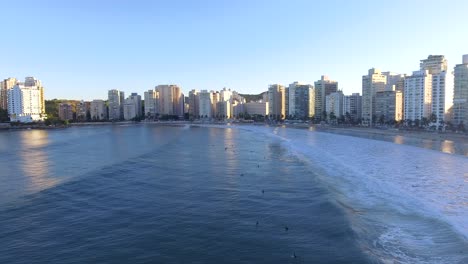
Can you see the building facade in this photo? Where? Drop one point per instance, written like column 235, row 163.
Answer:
column 353, row 106
column 65, row 111
column 334, row 104
column 6, row 85
column 194, row 101
column 442, row 85
column 418, row 96
column 115, row 102
column 276, row 101
column 205, row 104
column 372, row 83
column 323, row 87
column 132, row 107
column 171, row 100
column 301, row 100
column 98, row 110
column 389, row 106
column 256, row 108
column 460, row 93
column 26, row 103
column 151, row 103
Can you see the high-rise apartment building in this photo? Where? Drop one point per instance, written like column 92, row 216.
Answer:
column 460, row 93
column 334, row 104
column 205, row 104
column 323, row 87
column 276, row 101
column 372, row 83
column 115, row 101
column 442, row 85
column 98, row 110
column 26, row 103
column 132, row 107
column 395, row 81
column 151, row 103
column 6, row 85
column 353, row 105
column 194, row 102
column 418, row 96
column 171, row 100
column 389, row 106
column 301, row 100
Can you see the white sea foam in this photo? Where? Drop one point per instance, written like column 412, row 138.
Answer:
column 407, row 204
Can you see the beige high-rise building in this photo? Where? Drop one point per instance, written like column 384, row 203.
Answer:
column 151, row 103
column 460, row 93
column 6, row 85
column 418, row 96
column 171, row 100
column 323, row 87
column 372, row 83
column 276, row 101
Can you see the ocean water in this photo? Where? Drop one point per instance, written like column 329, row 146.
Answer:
column 221, row 194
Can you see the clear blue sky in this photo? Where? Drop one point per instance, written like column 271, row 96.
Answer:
column 82, row 48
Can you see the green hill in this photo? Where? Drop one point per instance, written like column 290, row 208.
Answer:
column 252, row 97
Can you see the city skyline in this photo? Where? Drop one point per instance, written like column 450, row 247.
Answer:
column 208, row 45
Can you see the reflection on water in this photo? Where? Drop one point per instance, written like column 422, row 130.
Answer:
column 34, row 161
column 398, row 139
column 447, row 146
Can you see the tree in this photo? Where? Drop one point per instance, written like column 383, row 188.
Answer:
column 382, row 119
column 425, row 121
column 324, row 115
column 4, row 115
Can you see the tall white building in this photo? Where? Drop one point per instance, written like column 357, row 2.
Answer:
column 132, row 107
column 151, row 103
column 205, row 104
column 301, row 100
column 442, row 85
column 372, row 83
column 323, row 87
column 418, row 96
column 26, row 103
column 114, row 99
column 460, row 93
column 98, row 110
column 334, row 104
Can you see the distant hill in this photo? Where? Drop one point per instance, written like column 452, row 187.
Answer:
column 252, row 97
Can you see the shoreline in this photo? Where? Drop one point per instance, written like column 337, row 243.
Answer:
column 350, row 131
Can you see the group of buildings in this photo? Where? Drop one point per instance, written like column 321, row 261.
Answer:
column 425, row 96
